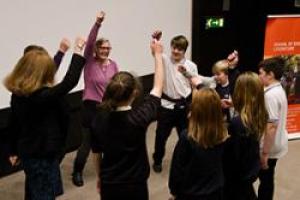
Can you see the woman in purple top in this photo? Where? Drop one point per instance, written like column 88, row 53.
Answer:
column 98, row 71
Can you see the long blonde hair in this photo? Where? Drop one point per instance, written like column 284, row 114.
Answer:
column 249, row 102
column 33, row 71
column 206, row 124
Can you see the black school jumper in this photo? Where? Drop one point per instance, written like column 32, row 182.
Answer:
column 121, row 137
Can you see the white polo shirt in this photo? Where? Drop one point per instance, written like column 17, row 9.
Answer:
column 276, row 104
column 176, row 85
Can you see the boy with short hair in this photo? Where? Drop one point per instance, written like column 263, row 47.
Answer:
column 175, row 98
column 275, row 142
column 225, row 74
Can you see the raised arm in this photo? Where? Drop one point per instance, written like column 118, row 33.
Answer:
column 63, row 48
column 72, row 76
column 195, row 79
column 144, row 114
column 89, row 49
column 233, row 59
column 157, row 50
column 157, row 35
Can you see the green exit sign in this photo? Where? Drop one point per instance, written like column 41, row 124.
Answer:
column 214, row 22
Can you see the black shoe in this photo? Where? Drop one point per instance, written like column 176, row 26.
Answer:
column 77, row 179
column 157, row 168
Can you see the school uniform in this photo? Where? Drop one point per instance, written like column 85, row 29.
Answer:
column 120, row 137
column 277, row 107
column 174, row 104
column 241, row 162
column 38, row 129
column 224, row 93
column 196, row 172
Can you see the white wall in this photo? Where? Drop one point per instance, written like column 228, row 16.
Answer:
column 128, row 25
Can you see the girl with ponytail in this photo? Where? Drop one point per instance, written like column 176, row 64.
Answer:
column 119, row 134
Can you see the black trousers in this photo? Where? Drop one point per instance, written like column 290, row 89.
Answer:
column 83, row 151
column 217, row 195
column 88, row 114
column 124, row 191
column 167, row 119
column 266, row 178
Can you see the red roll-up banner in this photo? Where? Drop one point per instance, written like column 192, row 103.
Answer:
column 282, row 37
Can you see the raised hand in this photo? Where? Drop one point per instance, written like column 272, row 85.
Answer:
column 64, row 45
column 157, row 34
column 79, row 45
column 156, row 47
column 100, row 17
column 233, row 59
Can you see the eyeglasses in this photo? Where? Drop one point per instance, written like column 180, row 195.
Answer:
column 105, row 48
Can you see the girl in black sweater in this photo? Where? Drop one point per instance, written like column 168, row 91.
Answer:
column 39, row 119
column 196, row 168
column 119, row 134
